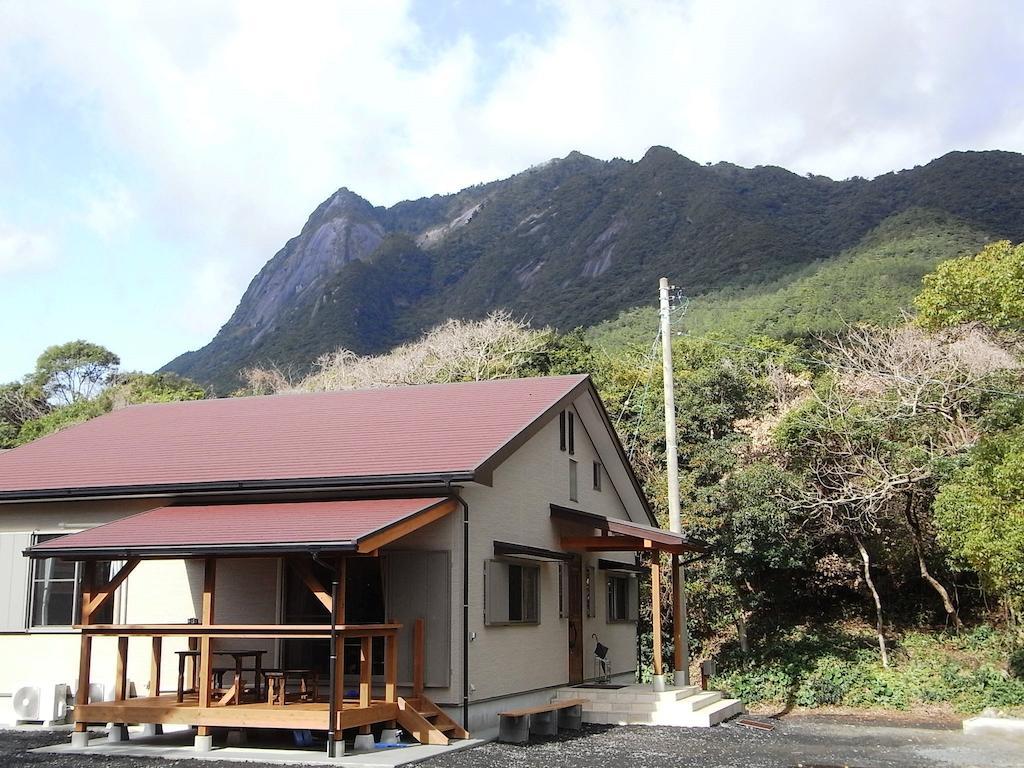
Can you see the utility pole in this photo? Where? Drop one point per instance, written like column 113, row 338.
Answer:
column 679, row 617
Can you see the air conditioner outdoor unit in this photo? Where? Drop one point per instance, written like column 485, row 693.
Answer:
column 46, row 704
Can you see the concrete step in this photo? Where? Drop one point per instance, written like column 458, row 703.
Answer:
column 705, row 717
column 697, row 701
column 629, row 694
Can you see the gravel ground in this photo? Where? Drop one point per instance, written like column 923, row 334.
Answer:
column 796, row 742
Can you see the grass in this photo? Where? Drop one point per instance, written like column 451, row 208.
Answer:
column 813, row 667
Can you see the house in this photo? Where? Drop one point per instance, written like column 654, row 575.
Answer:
column 458, row 547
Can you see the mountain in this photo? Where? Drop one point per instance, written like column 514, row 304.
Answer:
column 576, row 241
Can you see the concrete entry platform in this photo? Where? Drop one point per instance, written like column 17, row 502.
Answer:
column 179, row 745
column 685, row 706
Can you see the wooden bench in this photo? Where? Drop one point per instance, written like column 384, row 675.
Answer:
column 516, row 725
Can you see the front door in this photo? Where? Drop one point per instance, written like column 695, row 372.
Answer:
column 574, row 590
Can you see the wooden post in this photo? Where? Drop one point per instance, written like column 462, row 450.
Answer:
column 339, row 619
column 206, row 642
column 391, row 668
column 365, row 670
column 85, row 651
column 365, row 676
column 154, row 669
column 677, row 624
column 656, row 609
column 417, row 657
column 339, row 610
column 121, row 680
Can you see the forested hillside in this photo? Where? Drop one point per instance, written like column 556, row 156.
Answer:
column 861, row 496
column 577, row 241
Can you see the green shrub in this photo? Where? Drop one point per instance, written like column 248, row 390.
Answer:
column 815, row 669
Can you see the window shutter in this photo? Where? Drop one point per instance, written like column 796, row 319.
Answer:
column 633, row 609
column 496, row 597
column 14, row 572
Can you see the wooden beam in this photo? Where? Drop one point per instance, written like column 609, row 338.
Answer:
column 154, row 667
column 305, row 572
column 391, row 668
column 417, row 657
column 342, row 587
column 121, row 679
column 85, row 650
column 677, row 624
column 606, row 543
column 656, row 611
column 102, row 594
column 405, row 527
column 365, row 670
column 205, row 642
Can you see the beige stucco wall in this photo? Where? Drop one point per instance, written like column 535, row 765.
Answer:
column 510, row 659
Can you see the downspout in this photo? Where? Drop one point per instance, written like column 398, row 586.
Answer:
column 332, row 744
column 465, row 604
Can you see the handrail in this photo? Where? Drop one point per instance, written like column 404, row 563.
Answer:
column 245, row 631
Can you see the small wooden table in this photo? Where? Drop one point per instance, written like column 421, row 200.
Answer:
column 234, row 693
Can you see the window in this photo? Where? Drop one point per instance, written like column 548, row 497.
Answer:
column 597, row 475
column 623, row 598
column 573, row 482
column 511, row 593
column 572, row 433
column 589, row 580
column 561, row 431
column 56, row 594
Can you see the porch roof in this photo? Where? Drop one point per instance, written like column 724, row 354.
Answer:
column 622, row 535
column 362, row 525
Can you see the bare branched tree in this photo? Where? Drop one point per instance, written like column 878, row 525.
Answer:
column 493, row 348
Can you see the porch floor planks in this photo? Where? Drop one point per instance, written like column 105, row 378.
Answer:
column 166, row 710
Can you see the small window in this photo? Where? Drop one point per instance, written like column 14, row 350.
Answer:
column 623, row 598
column 573, row 482
column 512, row 593
column 572, row 433
column 56, row 594
column 589, row 580
column 597, row 475
column 561, row 431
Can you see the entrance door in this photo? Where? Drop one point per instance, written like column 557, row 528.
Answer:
column 574, row 589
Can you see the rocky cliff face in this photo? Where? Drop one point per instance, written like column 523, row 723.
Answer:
column 345, row 228
column 571, row 242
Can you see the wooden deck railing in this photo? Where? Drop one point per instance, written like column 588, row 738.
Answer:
column 207, row 633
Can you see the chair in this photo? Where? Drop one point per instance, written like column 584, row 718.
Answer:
column 602, row 662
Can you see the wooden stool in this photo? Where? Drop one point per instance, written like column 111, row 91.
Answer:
column 277, row 684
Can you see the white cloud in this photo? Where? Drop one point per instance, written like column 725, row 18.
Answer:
column 108, row 208
column 23, row 251
column 236, row 120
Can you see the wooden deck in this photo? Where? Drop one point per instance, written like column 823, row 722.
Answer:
column 165, row 709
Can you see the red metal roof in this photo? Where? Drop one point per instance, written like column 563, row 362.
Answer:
column 406, row 431
column 277, row 525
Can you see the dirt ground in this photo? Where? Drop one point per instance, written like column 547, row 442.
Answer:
column 797, row 741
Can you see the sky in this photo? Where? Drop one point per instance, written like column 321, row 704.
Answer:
column 154, row 155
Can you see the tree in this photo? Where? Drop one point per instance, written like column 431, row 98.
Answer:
column 986, row 288
column 980, row 514
column 74, row 371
